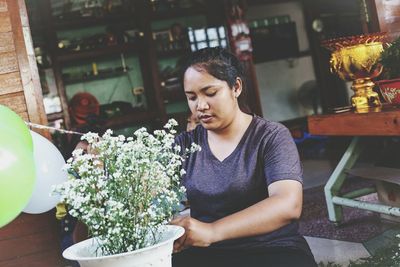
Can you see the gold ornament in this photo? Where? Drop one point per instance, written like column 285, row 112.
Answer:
column 356, row 59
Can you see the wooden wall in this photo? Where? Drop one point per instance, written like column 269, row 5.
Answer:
column 11, row 90
column 30, row 240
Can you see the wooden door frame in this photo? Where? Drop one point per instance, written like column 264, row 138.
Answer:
column 27, row 63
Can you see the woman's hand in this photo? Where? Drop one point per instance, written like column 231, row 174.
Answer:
column 197, row 233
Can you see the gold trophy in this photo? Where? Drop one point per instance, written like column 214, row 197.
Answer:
column 356, row 59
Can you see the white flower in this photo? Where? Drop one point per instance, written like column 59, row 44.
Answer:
column 128, row 188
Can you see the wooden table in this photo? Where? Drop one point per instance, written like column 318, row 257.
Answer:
column 384, row 123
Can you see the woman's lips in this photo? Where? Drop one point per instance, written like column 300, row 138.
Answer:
column 205, row 118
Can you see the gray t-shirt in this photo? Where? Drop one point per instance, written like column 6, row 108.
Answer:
column 265, row 154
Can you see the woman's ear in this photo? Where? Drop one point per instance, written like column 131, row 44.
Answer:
column 237, row 87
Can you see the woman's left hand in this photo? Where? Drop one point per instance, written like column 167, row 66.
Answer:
column 197, row 233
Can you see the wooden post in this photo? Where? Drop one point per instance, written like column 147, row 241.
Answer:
column 27, row 99
column 151, row 75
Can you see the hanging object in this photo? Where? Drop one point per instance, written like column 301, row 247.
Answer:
column 239, row 33
column 356, row 58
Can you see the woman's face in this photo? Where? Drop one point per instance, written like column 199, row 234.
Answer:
column 211, row 100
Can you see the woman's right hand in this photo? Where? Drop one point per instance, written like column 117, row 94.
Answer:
column 197, row 233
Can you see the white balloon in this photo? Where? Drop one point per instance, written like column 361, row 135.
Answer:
column 48, row 164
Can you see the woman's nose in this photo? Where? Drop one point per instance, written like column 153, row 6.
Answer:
column 202, row 104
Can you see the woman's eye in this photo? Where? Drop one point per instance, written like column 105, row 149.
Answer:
column 191, row 98
column 211, row 94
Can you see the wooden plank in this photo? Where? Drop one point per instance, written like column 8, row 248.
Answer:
column 390, row 175
column 37, row 223
column 385, row 123
column 50, row 258
column 5, row 22
column 3, row 6
column 29, row 43
column 39, row 242
column 6, row 42
column 24, row 115
column 15, row 101
column 8, row 62
column 23, row 14
column 10, row 83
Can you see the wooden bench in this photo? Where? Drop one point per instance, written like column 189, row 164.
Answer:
column 384, row 123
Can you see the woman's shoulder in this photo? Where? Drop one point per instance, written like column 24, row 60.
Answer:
column 267, row 127
column 272, row 135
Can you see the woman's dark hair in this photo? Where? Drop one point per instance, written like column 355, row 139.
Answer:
column 221, row 64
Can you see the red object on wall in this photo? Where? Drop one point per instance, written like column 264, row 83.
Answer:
column 82, row 105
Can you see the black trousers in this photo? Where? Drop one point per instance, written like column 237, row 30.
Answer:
column 268, row 257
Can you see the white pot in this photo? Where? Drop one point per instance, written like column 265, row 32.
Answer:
column 158, row 255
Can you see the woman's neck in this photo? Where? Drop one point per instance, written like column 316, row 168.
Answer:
column 235, row 129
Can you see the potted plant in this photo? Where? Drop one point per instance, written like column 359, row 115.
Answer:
column 390, row 85
column 125, row 191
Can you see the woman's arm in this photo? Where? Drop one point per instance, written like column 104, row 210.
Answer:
column 283, row 205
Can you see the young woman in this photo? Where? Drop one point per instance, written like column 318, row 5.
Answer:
column 245, row 185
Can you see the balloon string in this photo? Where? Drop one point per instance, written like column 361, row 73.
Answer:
column 38, row 126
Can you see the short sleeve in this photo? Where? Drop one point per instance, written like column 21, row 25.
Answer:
column 185, row 139
column 281, row 158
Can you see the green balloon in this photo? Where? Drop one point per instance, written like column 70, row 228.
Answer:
column 9, row 120
column 17, row 177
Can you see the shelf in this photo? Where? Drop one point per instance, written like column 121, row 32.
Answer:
column 140, row 24
column 129, row 119
column 64, row 24
column 100, row 76
column 55, row 116
column 178, row 12
column 102, row 51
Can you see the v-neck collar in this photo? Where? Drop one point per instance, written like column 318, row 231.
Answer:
column 238, row 146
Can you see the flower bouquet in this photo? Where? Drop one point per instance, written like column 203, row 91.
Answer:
column 125, row 191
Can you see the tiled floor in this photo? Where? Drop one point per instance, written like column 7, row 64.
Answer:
column 340, row 252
